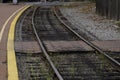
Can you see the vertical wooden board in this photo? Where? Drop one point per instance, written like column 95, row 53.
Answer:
column 108, row 8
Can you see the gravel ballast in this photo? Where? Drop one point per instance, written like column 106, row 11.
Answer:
column 84, row 18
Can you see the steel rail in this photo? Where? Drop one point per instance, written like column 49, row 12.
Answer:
column 20, row 28
column 44, row 50
column 86, row 41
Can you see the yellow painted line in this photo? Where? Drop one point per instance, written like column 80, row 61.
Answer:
column 3, row 28
column 11, row 59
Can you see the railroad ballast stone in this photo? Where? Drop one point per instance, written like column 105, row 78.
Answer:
column 83, row 17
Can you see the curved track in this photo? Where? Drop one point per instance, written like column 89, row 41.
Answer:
column 48, row 25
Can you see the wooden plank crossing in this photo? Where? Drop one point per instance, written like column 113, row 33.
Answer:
column 61, row 46
column 27, row 47
column 108, row 45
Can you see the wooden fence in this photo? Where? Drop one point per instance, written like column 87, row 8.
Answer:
column 108, row 8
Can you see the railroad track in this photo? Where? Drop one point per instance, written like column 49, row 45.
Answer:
column 50, row 26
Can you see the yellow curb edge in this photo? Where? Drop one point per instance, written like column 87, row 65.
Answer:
column 11, row 59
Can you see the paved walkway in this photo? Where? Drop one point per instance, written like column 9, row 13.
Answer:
column 6, row 10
